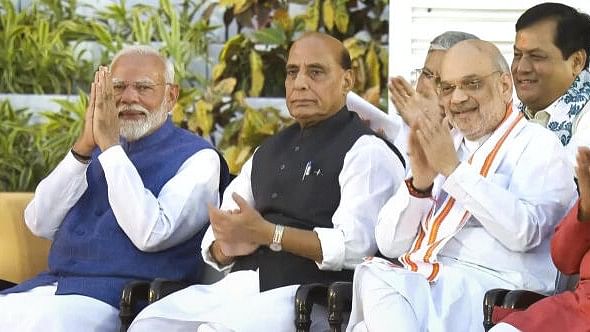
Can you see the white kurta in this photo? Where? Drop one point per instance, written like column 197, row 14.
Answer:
column 504, row 244
column 370, row 175
column 152, row 223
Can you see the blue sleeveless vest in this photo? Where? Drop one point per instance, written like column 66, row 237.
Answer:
column 92, row 256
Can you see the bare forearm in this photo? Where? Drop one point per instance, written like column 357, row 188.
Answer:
column 303, row 243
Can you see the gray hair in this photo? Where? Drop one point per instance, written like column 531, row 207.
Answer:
column 147, row 50
column 447, row 39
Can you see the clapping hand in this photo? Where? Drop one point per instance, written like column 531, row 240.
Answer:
column 411, row 104
column 106, row 117
column 239, row 232
column 436, row 141
column 85, row 142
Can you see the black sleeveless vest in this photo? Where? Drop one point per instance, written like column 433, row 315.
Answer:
column 295, row 183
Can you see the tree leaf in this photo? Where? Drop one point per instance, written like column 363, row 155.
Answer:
column 312, row 17
column 231, row 47
column 328, row 11
column 355, row 48
column 236, row 156
column 218, row 71
column 177, row 113
column 373, row 67
column 256, row 73
column 342, row 17
column 226, row 86
column 241, row 6
column 283, row 20
column 270, row 36
column 202, row 118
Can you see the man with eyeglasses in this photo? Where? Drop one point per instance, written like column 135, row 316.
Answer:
column 409, row 104
column 302, row 210
column 474, row 215
column 550, row 70
column 129, row 201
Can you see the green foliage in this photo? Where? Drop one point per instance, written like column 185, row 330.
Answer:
column 244, row 128
column 257, row 59
column 40, row 55
column 30, row 150
column 37, row 52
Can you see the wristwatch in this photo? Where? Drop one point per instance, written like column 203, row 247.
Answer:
column 277, row 238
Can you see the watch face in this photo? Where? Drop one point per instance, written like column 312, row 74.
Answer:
column 275, row 247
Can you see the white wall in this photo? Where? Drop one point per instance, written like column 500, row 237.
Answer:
column 413, row 23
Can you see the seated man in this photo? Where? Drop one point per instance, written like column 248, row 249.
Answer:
column 409, row 104
column 477, row 212
column 550, row 70
column 118, row 209
column 302, row 209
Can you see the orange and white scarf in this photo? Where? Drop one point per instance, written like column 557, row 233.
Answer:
column 438, row 227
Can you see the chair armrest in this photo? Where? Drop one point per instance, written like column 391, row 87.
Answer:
column 160, row 288
column 521, row 299
column 339, row 301
column 133, row 299
column 492, row 298
column 305, row 298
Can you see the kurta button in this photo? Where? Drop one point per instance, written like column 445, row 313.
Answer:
column 296, row 148
column 274, row 195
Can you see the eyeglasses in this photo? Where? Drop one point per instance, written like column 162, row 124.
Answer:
column 143, row 88
column 417, row 73
column 473, row 84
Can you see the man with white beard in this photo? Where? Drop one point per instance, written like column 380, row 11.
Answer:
column 129, row 201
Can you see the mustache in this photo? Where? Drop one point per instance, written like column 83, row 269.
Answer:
column 132, row 108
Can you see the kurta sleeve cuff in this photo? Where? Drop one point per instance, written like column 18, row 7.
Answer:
column 113, row 156
column 333, row 251
column 71, row 165
column 208, row 239
column 459, row 182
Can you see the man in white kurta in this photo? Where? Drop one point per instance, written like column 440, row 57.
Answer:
column 550, row 70
column 477, row 212
column 395, row 126
column 303, row 208
column 115, row 209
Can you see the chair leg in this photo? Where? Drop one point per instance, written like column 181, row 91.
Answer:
column 134, row 292
column 305, row 298
column 339, row 301
column 493, row 297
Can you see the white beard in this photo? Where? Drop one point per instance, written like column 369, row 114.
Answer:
column 133, row 130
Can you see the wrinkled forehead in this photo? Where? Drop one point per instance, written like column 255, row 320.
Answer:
column 313, row 50
column 138, row 67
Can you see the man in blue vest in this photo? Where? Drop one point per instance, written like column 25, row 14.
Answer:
column 129, row 201
column 303, row 208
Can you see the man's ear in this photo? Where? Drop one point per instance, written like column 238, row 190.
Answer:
column 578, row 61
column 173, row 92
column 506, row 86
column 348, row 81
